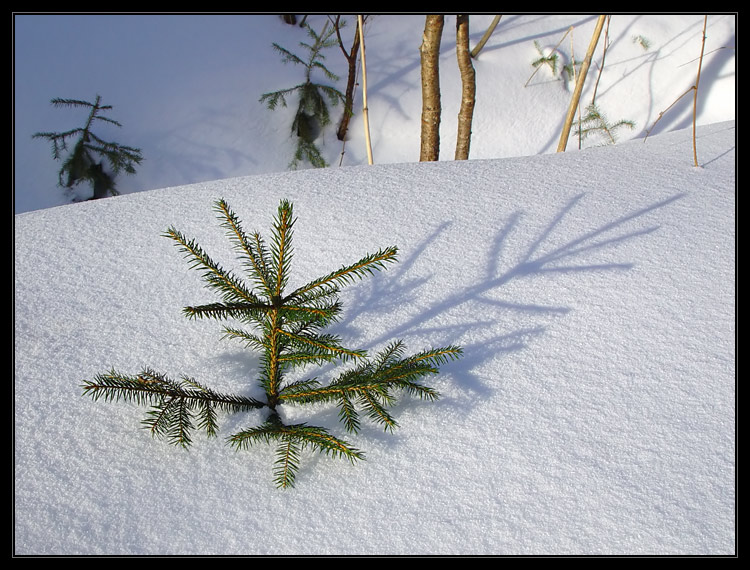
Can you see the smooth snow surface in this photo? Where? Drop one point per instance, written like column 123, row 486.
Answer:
column 593, row 412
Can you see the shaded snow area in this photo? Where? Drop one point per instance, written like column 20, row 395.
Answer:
column 593, row 411
column 186, row 88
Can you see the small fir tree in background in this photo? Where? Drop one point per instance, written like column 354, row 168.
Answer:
column 571, row 69
column 547, row 56
column 550, row 59
column 288, row 331
column 594, row 122
column 85, row 163
column 312, row 110
column 642, row 41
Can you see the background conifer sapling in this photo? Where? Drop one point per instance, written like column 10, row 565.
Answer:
column 287, row 329
column 595, row 122
column 550, row 59
column 85, row 163
column 313, row 97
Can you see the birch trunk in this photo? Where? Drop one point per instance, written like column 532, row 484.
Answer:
column 468, row 88
column 429, row 60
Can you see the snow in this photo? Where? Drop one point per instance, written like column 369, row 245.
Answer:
column 593, row 293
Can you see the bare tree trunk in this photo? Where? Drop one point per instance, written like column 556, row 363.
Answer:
column 351, row 59
column 430, row 59
column 468, row 87
column 579, row 84
column 486, row 36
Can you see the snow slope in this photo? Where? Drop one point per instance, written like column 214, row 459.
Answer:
column 593, row 412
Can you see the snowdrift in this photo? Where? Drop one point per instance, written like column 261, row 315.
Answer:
column 593, row 412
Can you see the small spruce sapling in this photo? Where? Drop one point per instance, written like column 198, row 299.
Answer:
column 550, row 59
column 85, row 163
column 312, row 110
column 571, row 69
column 594, row 122
column 287, row 329
column 642, row 41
